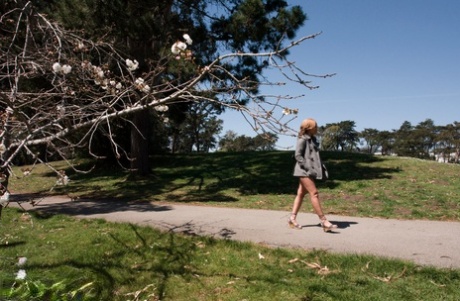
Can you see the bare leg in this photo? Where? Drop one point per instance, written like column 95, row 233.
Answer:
column 310, row 186
column 301, row 192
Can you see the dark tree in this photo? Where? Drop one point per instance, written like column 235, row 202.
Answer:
column 144, row 28
column 127, row 68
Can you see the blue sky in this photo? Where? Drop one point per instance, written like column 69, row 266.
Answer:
column 396, row 61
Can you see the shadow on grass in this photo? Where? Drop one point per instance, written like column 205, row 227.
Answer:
column 83, row 207
column 213, row 177
column 12, row 244
column 134, row 260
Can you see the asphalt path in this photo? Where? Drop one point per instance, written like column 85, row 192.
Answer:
column 427, row 243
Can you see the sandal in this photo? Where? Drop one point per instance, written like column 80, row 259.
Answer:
column 327, row 225
column 293, row 223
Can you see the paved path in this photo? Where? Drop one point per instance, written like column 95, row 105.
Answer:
column 423, row 242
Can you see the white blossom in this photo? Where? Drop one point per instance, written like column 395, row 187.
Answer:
column 104, row 84
column 178, row 47
column 57, row 67
column 66, row 69
column 119, row 86
column 21, row 275
column 146, row 88
column 2, row 148
column 85, row 64
column 22, row 261
column 162, row 108
column 98, row 72
column 132, row 65
column 287, row 111
column 187, row 39
column 141, row 85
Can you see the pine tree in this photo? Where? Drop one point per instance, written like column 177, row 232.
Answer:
column 145, row 29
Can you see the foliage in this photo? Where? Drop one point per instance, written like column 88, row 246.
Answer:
column 84, row 84
column 425, row 140
column 198, row 131
column 371, row 138
column 232, row 142
column 339, row 136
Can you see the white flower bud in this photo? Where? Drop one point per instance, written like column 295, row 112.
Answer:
column 187, row 39
column 132, row 65
column 178, row 47
column 146, row 89
column 66, row 69
column 57, row 67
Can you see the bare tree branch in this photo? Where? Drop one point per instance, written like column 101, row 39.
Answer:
column 58, row 89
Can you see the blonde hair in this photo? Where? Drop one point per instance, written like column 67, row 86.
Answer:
column 308, row 126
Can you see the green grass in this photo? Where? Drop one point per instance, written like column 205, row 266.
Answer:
column 117, row 261
column 360, row 185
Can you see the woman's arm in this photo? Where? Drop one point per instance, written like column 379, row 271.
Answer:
column 300, row 152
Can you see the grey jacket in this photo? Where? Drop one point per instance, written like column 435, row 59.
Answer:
column 308, row 162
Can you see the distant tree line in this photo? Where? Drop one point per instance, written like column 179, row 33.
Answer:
column 424, row 140
column 231, row 142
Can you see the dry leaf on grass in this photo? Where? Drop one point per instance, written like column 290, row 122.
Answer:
column 138, row 293
column 321, row 270
column 293, row 260
column 386, row 278
column 438, row 285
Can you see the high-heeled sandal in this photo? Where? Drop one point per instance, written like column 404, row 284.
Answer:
column 293, row 223
column 329, row 227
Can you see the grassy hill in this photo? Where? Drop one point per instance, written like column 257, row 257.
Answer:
column 359, row 185
column 82, row 259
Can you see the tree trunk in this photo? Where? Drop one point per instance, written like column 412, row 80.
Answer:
column 140, row 133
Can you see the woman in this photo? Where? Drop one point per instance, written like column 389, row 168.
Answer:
column 308, row 168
